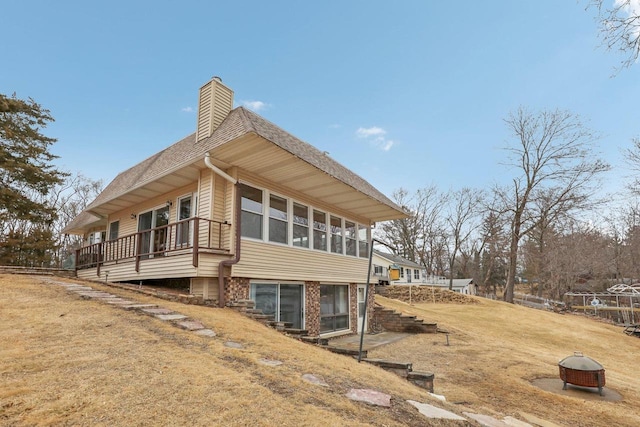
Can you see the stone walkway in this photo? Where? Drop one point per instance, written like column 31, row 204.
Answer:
column 367, row 396
column 165, row 314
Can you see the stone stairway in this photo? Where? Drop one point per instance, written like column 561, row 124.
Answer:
column 248, row 308
column 405, row 370
column 390, row 320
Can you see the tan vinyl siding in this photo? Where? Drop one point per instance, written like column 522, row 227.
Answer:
column 204, row 194
column 276, row 262
column 214, row 104
column 220, row 204
column 204, row 201
column 129, row 225
column 204, row 112
column 199, row 284
column 159, row 267
column 223, row 104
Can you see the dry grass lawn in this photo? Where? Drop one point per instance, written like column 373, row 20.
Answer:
column 69, row 361
column 496, row 349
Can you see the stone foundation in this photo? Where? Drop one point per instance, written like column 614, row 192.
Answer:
column 236, row 288
column 312, row 308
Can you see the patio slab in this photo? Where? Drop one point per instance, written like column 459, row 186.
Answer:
column 352, row 342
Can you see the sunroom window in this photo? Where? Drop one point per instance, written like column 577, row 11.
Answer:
column 251, row 211
column 300, row 225
column 363, row 241
column 278, row 219
column 350, row 238
column 336, row 234
column 319, row 230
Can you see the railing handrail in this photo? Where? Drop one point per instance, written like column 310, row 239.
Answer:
column 145, row 244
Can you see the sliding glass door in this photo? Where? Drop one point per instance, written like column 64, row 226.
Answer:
column 153, row 241
column 284, row 302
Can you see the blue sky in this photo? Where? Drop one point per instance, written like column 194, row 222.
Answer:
column 407, row 94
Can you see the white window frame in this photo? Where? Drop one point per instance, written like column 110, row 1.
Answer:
column 264, row 222
column 292, row 224
column 268, row 219
column 109, row 230
column 311, row 209
column 192, row 214
column 332, row 235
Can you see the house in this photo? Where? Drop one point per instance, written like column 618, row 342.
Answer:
column 463, row 286
column 410, row 272
column 238, row 210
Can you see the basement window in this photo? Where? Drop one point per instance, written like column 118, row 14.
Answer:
column 334, row 308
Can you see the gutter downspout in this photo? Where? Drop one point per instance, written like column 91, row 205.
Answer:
column 236, row 258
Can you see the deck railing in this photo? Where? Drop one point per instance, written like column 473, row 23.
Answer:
column 193, row 235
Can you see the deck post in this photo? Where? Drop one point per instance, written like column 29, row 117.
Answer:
column 137, row 251
column 196, row 240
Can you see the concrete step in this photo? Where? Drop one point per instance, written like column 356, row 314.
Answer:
column 294, row 331
column 346, row 351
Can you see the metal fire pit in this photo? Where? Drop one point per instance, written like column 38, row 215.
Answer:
column 581, row 371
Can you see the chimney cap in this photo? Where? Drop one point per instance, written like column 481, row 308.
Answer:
column 217, row 78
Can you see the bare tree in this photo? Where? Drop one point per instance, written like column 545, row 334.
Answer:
column 462, row 211
column 632, row 158
column 69, row 199
column 419, row 237
column 491, row 250
column 552, row 153
column 402, row 234
column 620, row 28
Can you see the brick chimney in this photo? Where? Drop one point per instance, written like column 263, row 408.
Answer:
column 214, row 104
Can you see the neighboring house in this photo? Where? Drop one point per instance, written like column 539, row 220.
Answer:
column 463, row 286
column 410, row 272
column 240, row 209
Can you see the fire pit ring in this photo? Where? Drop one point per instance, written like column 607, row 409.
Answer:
column 581, row 371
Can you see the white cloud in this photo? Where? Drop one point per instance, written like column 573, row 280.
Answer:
column 376, row 137
column 386, row 146
column 255, row 105
column 372, row 131
column 187, row 109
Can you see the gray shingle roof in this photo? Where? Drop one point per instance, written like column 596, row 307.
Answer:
column 396, row 259
column 239, row 122
column 83, row 220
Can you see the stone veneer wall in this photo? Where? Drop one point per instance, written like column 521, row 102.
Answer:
column 371, row 302
column 312, row 308
column 236, row 288
column 353, row 307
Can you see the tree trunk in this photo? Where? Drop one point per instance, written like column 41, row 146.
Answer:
column 513, row 259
